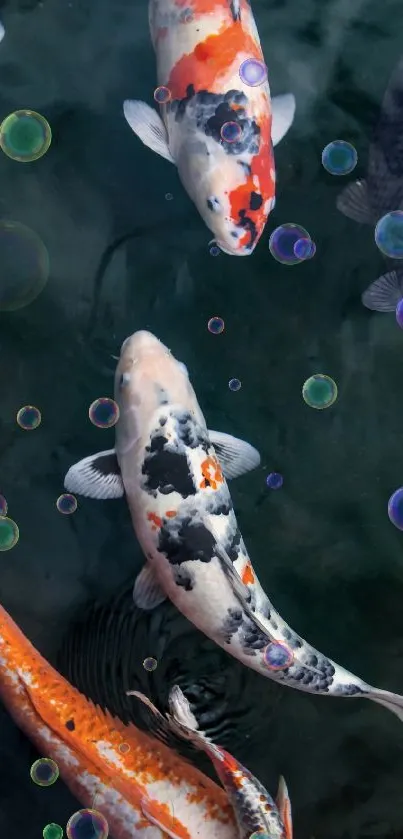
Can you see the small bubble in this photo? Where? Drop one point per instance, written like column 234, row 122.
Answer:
column 3, row 506
column 395, row 508
column 399, row 313
column 214, row 251
column 304, row 249
column 87, row 824
column 44, row 772
column 9, row 534
column 283, row 240
column 253, row 72
column 66, row 503
column 25, row 136
column 216, row 325
column 150, row 664
column 277, row 656
column 168, row 196
column 231, row 132
column 234, row 384
column 339, row 158
column 319, row 391
column 389, row 234
column 104, row 412
column 162, row 95
column 29, row 417
column 124, row 748
column 52, row 831
column 274, row 480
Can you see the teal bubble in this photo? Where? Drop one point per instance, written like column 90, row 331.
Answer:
column 339, row 158
column 389, row 234
column 29, row 417
column 9, row 533
column 319, row 391
column 25, row 136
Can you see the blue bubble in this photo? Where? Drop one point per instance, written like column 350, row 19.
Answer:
column 274, row 480
column 395, row 508
column 234, row 384
column 277, row 656
column 304, row 249
column 231, row 132
column 389, row 234
column 339, row 158
column 216, row 325
column 283, row 241
column 214, row 251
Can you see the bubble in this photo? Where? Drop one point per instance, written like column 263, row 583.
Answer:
column 104, row 412
column 216, row 325
column 234, row 384
column 277, row 656
column 29, row 418
column 44, row 772
column 24, row 266
column 9, row 534
column 231, row 132
column 399, row 313
column 3, row 506
column 168, row 196
column 253, row 72
column 274, row 480
column 339, row 157
column 66, row 503
column 124, row 748
column 259, row 834
column 162, row 95
column 150, row 664
column 283, row 241
column 214, row 251
column 52, row 831
column 25, row 136
column 395, row 508
column 304, row 249
column 87, row 824
column 389, row 234
column 319, row 391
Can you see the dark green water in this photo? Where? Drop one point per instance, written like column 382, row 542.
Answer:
column 322, row 545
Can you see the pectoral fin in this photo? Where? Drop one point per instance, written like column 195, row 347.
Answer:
column 236, row 456
column 283, row 110
column 148, row 125
column 284, row 807
column 97, row 476
column 147, row 592
column 354, row 203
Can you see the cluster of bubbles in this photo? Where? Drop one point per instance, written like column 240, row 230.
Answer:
column 291, row 244
column 9, row 532
column 150, row 663
column 216, row 325
column 319, row 391
column 29, row 418
column 25, row 136
column 104, row 412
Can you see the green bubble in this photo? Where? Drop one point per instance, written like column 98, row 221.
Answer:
column 319, row 391
column 9, row 533
column 24, row 266
column 25, row 136
column 52, row 831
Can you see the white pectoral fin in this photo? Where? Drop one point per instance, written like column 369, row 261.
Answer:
column 148, row 125
column 284, row 807
column 97, row 476
column 236, row 456
column 147, row 592
column 2, row 31
column 354, row 202
column 283, row 110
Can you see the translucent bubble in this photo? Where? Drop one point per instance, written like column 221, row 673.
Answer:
column 259, row 834
column 231, row 132
column 253, row 72
column 124, row 748
column 25, row 136
column 234, row 384
column 44, row 772
column 9, row 534
column 395, row 508
column 104, row 412
column 162, row 95
column 168, row 196
column 87, row 824
column 319, row 391
column 29, row 417
column 216, row 325
column 52, row 831
column 274, row 480
column 214, row 251
column 66, row 504
column 150, row 663
column 283, row 241
column 389, row 234
column 277, row 656
column 3, row 506
column 24, row 266
column 304, row 249
column 339, row 157
column 399, row 313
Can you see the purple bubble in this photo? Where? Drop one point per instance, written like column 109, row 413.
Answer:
column 395, row 508
column 274, row 480
column 304, row 248
column 277, row 656
column 253, row 72
column 231, row 132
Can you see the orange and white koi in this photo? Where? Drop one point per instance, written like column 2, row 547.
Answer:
column 143, row 788
column 255, row 810
column 218, row 123
column 173, row 472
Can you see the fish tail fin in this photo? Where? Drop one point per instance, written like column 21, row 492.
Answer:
column 180, row 724
column 392, row 701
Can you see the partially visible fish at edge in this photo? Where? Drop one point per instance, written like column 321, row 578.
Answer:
column 200, row 47
column 85, row 742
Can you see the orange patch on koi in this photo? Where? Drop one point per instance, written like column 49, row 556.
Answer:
column 212, row 474
column 157, row 522
column 171, row 514
column 247, row 574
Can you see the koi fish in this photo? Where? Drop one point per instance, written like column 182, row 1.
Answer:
column 173, row 472
column 254, row 808
column 143, row 788
column 218, row 129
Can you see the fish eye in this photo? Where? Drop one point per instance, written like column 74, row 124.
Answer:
column 124, row 379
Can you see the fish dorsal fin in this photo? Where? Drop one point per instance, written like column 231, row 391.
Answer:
column 384, row 294
column 236, row 456
column 149, row 127
column 147, row 592
column 354, row 202
column 283, row 110
column 284, row 807
column 97, row 476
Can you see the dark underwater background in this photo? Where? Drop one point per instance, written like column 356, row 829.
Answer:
column 122, row 258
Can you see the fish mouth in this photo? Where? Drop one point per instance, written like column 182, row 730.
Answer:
column 246, row 251
column 141, row 342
